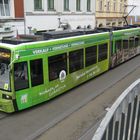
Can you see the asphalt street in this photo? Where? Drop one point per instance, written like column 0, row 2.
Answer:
column 37, row 121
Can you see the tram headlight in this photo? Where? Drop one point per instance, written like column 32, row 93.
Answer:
column 4, row 96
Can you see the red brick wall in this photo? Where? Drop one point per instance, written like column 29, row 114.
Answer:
column 19, row 9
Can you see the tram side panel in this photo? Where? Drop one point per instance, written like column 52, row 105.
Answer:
column 58, row 70
column 125, row 45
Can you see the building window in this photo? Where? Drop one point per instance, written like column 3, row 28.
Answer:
column 4, row 8
column 76, row 60
column 21, row 76
column 121, row 7
column 102, row 52
column 108, row 6
column 66, row 5
column 78, row 5
column 114, row 7
column 88, row 5
column 36, row 67
column 50, row 5
column 57, row 64
column 37, row 5
column 100, row 5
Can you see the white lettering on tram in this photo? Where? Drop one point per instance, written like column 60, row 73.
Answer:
column 53, row 90
column 40, row 51
column 24, row 98
column 57, row 47
column 77, row 43
column 63, row 46
column 90, row 73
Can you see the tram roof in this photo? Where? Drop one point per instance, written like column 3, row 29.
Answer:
column 58, row 35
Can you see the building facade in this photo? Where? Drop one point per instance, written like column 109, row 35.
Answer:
column 11, row 17
column 59, row 14
column 110, row 12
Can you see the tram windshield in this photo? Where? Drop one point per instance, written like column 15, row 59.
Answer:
column 4, row 69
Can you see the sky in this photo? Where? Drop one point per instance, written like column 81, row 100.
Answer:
column 136, row 11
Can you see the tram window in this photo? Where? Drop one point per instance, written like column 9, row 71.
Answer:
column 102, row 52
column 112, row 48
column 137, row 42
column 91, row 55
column 36, row 67
column 118, row 44
column 21, row 76
column 131, row 42
column 125, row 44
column 76, row 60
column 57, row 63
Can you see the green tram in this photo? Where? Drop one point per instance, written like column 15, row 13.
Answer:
column 37, row 71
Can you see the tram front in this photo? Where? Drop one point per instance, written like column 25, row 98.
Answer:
column 7, row 98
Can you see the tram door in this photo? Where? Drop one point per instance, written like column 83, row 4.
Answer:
column 21, row 84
